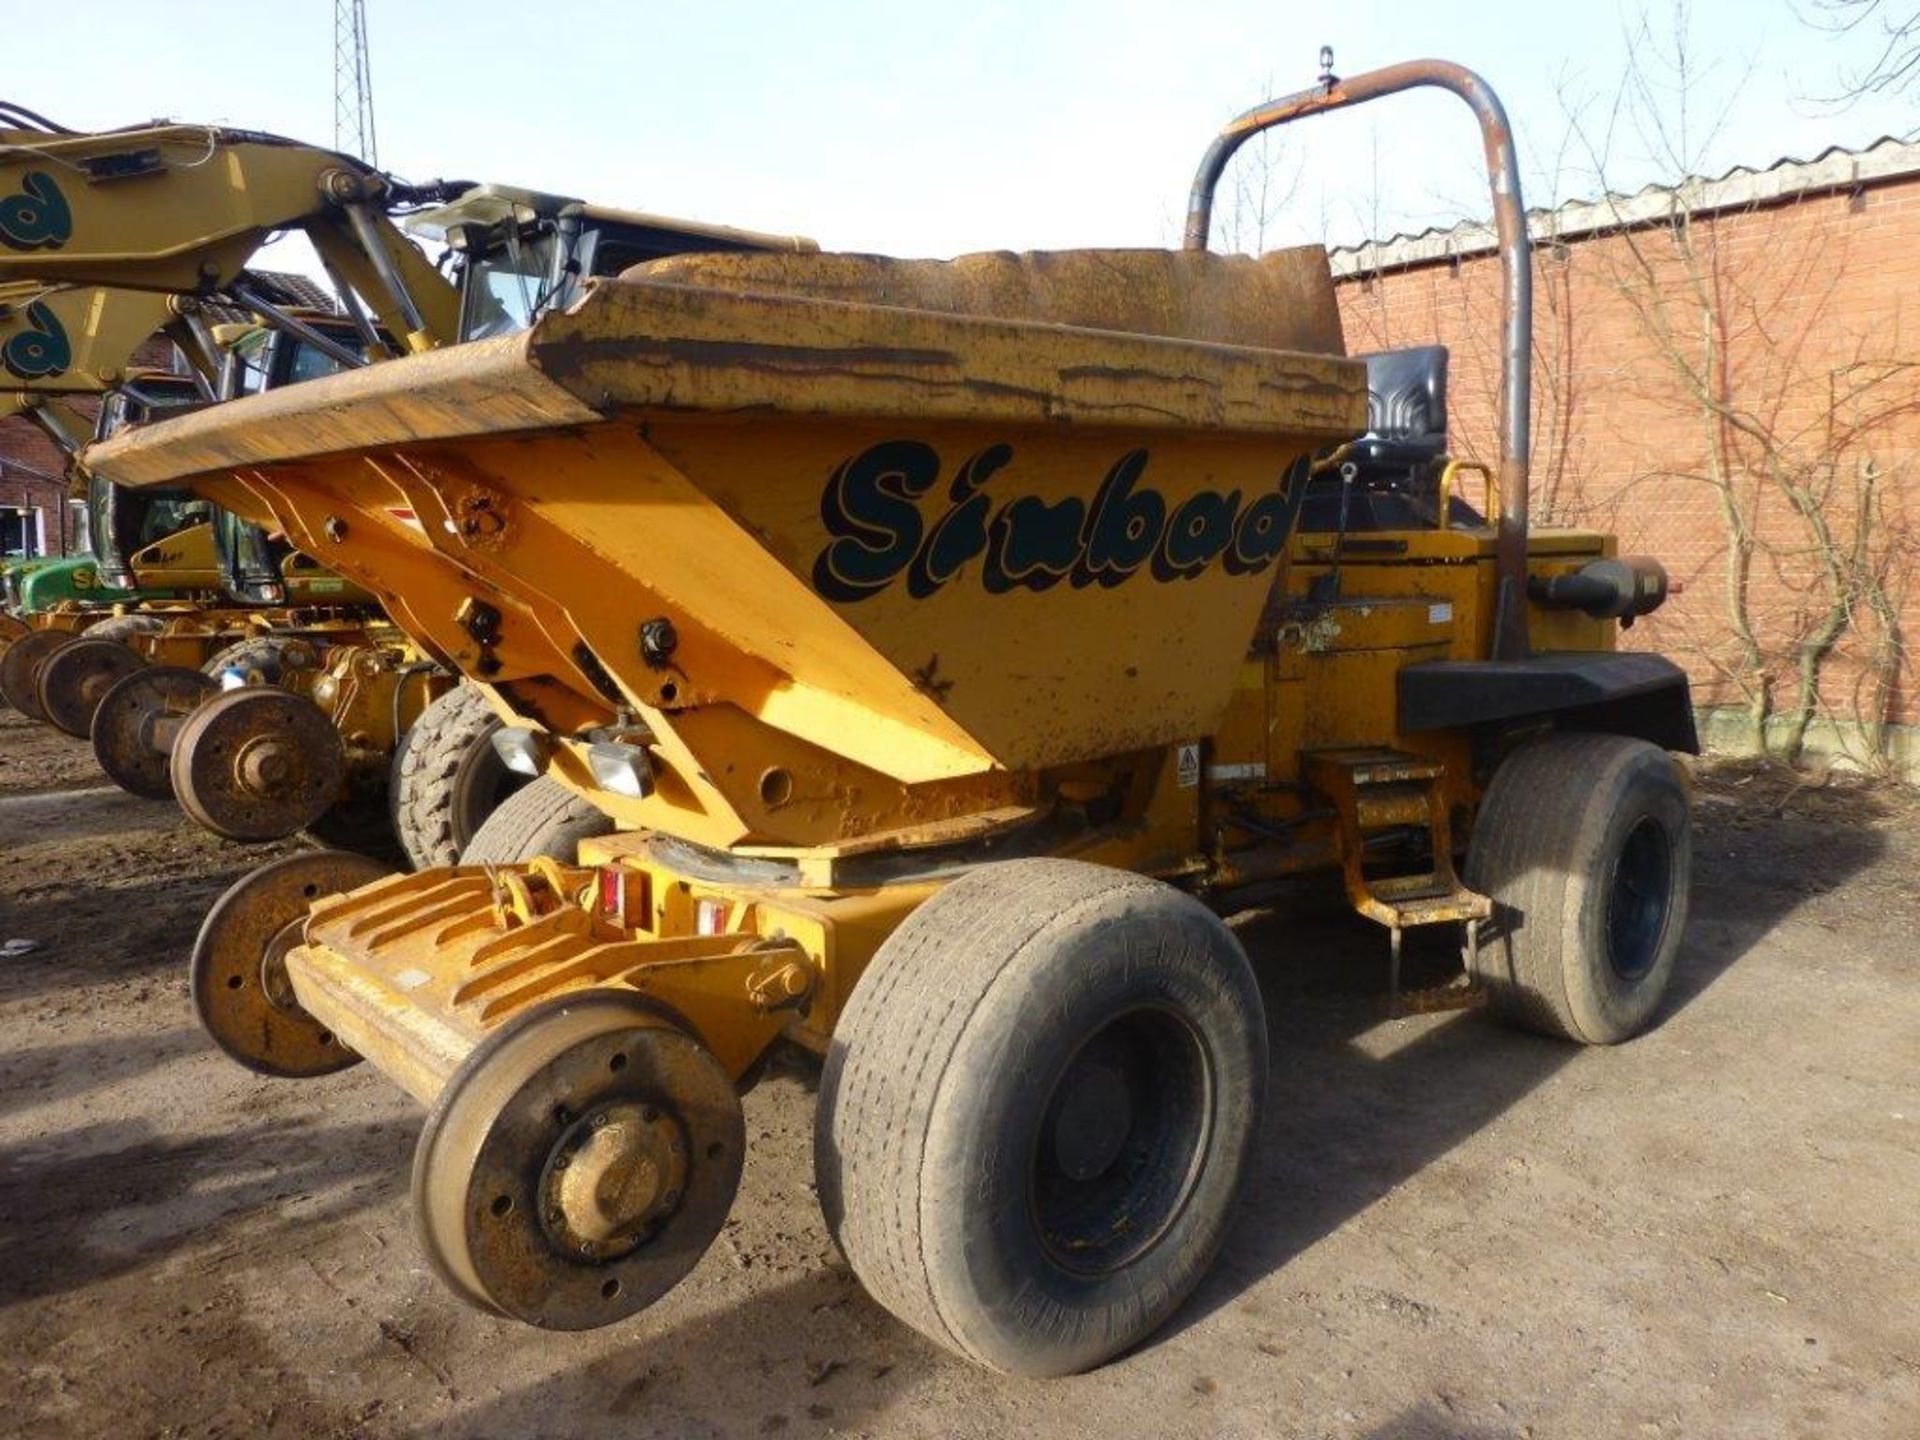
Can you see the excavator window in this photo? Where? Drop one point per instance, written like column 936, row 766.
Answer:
column 248, row 359
column 250, row 558
column 521, row 254
column 266, row 359
column 505, row 287
column 124, row 522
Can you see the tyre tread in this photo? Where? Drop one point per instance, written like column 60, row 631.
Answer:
column 530, row 820
column 1545, row 812
column 426, row 764
column 878, row 1108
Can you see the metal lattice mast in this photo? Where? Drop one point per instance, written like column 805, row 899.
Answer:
column 352, row 83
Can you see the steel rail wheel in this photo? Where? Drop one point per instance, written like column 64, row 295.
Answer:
column 21, row 666
column 134, row 725
column 579, row 1163
column 238, row 974
column 257, row 764
column 76, row 677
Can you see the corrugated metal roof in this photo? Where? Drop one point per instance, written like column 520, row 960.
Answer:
column 1835, row 168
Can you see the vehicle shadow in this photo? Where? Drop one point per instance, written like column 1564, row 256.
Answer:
column 827, row 1360
column 1347, row 1122
column 58, row 819
column 111, row 929
column 1761, row 856
column 86, row 1205
column 1429, row 1422
column 47, row 1074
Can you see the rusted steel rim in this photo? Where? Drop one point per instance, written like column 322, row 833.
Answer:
column 1510, row 223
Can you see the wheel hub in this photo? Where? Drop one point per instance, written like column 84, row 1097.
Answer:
column 613, row 1176
column 275, row 983
column 1638, row 900
column 1117, row 1149
column 95, row 685
column 77, row 677
column 257, row 763
column 1094, row 1117
column 263, row 766
column 578, row 1163
column 134, row 726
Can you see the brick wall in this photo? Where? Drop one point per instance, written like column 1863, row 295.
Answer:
column 26, row 453
column 1752, row 373
column 24, row 450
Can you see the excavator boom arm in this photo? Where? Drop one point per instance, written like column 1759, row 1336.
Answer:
column 183, row 208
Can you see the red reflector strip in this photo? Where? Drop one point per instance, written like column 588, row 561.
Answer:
column 623, row 897
column 710, row 917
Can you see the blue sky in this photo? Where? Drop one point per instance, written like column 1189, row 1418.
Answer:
column 918, row 129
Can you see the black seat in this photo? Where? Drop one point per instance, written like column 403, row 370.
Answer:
column 1397, row 463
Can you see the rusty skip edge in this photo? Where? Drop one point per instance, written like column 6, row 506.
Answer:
column 639, row 345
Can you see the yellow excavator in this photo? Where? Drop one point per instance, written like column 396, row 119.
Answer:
column 63, row 348
column 142, row 209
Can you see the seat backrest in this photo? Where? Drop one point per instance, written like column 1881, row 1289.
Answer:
column 1283, row 300
column 1407, row 393
column 1396, row 464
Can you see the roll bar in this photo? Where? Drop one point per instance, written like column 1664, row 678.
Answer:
column 1516, row 264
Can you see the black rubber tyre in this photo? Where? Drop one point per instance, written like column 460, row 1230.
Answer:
column 124, row 627
column 447, row 778
column 1585, row 844
column 267, row 657
column 543, row 818
column 1038, row 1110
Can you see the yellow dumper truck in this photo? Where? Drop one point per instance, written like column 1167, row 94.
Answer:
column 938, row 638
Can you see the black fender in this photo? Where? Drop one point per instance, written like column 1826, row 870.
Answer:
column 1614, row 692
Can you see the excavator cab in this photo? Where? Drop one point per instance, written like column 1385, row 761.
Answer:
column 124, row 523
column 254, row 563
column 520, row 253
column 262, row 358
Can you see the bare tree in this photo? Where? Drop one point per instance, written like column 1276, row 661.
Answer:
column 1797, row 423
column 1263, row 181
column 1896, row 29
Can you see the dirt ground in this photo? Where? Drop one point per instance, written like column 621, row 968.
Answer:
column 1454, row 1231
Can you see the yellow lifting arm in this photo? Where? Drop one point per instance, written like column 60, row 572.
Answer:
column 182, row 208
column 78, row 340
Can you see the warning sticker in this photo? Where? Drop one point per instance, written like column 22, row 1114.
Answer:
column 1187, row 769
